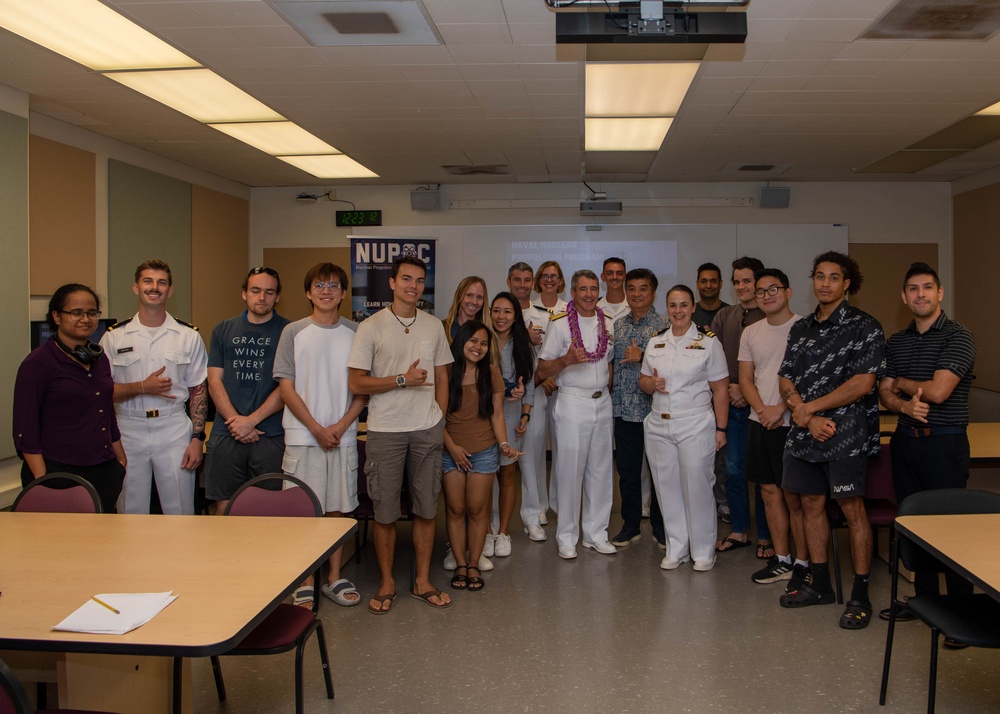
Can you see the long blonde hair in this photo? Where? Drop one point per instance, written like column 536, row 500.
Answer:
column 484, row 313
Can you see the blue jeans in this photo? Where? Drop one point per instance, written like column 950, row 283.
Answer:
column 734, row 455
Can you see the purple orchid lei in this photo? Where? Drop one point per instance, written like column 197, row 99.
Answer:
column 577, row 338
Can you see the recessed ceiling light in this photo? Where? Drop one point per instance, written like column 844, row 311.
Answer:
column 626, row 134
column 91, row 33
column 199, row 93
column 330, row 166
column 277, row 137
column 644, row 90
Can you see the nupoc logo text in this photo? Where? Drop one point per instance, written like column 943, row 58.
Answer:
column 382, row 252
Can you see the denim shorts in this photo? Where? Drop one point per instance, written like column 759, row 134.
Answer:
column 486, row 461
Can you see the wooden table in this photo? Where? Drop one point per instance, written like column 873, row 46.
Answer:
column 984, row 439
column 229, row 573
column 958, row 541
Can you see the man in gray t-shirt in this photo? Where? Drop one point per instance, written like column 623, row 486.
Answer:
column 246, row 436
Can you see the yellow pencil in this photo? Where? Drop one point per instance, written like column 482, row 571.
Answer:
column 101, row 602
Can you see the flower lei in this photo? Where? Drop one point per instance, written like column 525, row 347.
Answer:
column 576, row 337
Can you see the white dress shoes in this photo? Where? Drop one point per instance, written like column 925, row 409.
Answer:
column 568, row 552
column 704, row 565
column 669, row 563
column 536, row 533
column 602, row 546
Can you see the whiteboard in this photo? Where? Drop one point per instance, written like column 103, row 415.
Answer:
column 673, row 252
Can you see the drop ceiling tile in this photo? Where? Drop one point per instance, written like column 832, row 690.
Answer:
column 165, row 15
column 465, row 11
column 469, row 55
column 723, row 84
column 256, row 37
column 799, row 68
column 851, row 68
column 808, row 50
column 192, row 39
column 848, row 9
column 541, row 54
column 430, row 72
column 770, row 29
column 240, row 13
column 874, row 49
column 833, row 83
column 476, row 35
column 552, row 86
column 847, row 30
column 732, row 69
column 290, row 57
column 491, row 72
column 534, row 33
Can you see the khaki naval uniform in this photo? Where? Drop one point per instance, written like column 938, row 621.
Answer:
column 680, row 437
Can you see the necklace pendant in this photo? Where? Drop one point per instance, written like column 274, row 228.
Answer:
column 407, row 329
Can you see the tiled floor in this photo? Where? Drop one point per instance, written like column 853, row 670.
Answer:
column 605, row 634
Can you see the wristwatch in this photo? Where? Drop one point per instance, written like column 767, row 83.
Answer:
column 199, row 435
column 401, row 381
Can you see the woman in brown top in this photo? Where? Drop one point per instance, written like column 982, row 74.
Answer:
column 474, row 426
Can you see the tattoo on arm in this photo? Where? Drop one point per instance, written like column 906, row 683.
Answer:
column 198, row 406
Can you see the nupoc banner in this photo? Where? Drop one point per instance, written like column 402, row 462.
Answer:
column 371, row 262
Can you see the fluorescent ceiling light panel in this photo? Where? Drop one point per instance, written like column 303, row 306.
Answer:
column 630, row 134
column 992, row 111
column 277, row 137
column 200, row 93
column 330, row 167
column 90, row 33
column 633, row 90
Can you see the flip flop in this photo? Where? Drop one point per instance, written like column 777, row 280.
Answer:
column 765, row 551
column 339, row 590
column 303, row 596
column 382, row 600
column 857, row 615
column 426, row 597
column 806, row 596
column 733, row 545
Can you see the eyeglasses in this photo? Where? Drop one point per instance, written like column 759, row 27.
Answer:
column 320, row 286
column 267, row 271
column 550, row 276
column 769, row 290
column 80, row 314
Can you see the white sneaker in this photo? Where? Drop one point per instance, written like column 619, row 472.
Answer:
column 567, row 552
column 536, row 533
column 501, row 545
column 449, row 560
column 485, row 563
column 488, row 546
column 542, row 520
column 704, row 565
column 602, row 546
column 669, row 563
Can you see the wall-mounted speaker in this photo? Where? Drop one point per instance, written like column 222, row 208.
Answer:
column 775, row 196
column 429, row 200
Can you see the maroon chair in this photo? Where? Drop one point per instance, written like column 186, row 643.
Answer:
column 880, row 507
column 289, row 626
column 43, row 495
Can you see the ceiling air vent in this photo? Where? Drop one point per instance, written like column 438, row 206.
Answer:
column 757, row 167
column 472, row 170
column 361, row 23
column 936, row 20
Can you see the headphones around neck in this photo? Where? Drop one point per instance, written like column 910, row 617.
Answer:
column 87, row 353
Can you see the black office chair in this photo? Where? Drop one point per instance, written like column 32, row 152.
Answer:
column 972, row 620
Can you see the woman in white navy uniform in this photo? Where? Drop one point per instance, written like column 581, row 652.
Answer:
column 685, row 371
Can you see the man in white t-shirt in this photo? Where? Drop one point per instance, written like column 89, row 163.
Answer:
column 577, row 353
column 321, row 415
column 400, row 358
column 762, row 348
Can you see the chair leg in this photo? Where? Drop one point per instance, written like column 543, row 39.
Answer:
column 42, row 695
column 325, row 660
column 178, row 683
column 299, row 689
column 357, row 547
column 888, row 653
column 220, row 684
column 932, row 684
column 836, row 565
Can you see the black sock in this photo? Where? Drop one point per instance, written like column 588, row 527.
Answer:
column 821, row 577
column 860, row 590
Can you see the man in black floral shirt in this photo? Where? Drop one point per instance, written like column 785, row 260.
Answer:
column 828, row 381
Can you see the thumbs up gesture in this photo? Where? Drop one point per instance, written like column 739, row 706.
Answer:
column 659, row 383
column 416, row 377
column 633, row 353
column 917, row 408
column 534, row 333
column 517, row 392
column 575, row 354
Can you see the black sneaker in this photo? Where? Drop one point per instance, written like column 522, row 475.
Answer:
column 625, row 537
column 800, row 576
column 774, row 571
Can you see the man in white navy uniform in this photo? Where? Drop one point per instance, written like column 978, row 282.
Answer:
column 534, row 489
column 613, row 302
column 158, row 364
column 577, row 352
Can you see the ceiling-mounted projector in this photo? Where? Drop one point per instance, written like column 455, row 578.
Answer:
column 600, row 208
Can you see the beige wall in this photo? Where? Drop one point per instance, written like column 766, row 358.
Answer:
column 292, row 265
column 883, row 266
column 220, row 230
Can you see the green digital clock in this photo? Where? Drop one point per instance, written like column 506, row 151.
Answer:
column 350, row 219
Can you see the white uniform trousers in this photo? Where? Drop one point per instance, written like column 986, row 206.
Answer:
column 155, row 447
column 582, row 466
column 534, row 469
column 681, row 455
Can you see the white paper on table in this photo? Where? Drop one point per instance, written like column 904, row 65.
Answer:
column 136, row 609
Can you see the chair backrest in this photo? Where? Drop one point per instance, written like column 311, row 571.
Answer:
column 253, row 500
column 878, row 476
column 45, row 495
column 13, row 698
column 940, row 502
